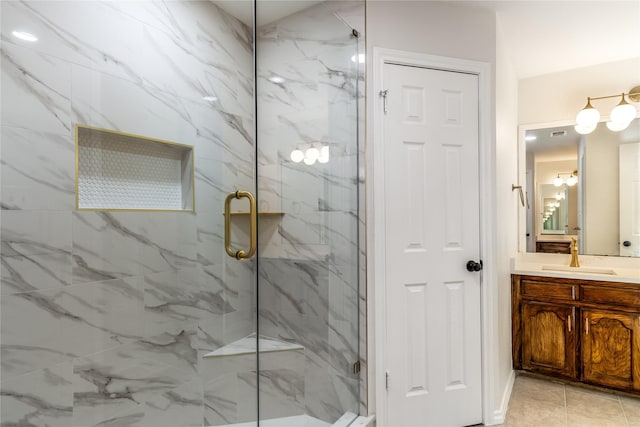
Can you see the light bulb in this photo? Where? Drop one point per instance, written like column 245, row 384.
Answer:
column 309, row 161
column 297, row 156
column 588, row 116
column 557, row 181
column 312, row 153
column 583, row 130
column 558, row 196
column 360, row 58
column 623, row 112
column 324, row 154
column 617, row 126
column 557, row 204
column 572, row 180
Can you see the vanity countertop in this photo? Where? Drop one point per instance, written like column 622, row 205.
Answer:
column 554, row 238
column 602, row 268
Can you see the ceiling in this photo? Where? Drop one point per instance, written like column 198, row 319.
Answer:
column 544, row 37
column 268, row 10
column 541, row 36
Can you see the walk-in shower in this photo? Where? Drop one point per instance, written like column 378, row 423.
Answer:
column 180, row 215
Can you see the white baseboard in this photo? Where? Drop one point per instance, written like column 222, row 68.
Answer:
column 500, row 414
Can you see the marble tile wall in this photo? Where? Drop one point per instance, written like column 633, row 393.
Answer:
column 309, row 273
column 104, row 315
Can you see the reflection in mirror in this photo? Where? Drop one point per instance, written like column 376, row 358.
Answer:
column 554, row 212
column 589, row 180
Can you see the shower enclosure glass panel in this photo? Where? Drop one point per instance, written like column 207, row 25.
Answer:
column 136, row 317
column 307, row 97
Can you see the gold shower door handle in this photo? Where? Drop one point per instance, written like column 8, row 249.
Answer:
column 240, row 254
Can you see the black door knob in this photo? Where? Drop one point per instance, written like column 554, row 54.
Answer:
column 626, row 243
column 474, row 266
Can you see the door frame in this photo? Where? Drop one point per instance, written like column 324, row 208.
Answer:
column 376, row 217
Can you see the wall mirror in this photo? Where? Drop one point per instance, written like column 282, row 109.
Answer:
column 583, row 186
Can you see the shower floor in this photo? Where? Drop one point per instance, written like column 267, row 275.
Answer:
column 297, row 421
column 300, row 421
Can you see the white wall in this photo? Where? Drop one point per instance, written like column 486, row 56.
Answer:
column 431, row 27
column 559, row 96
column 434, row 28
column 507, row 205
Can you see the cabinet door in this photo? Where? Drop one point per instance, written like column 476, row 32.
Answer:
column 548, row 342
column 611, row 348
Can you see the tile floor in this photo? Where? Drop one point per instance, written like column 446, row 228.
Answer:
column 542, row 403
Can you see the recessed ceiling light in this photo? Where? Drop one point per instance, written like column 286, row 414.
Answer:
column 23, row 35
column 276, row 79
column 530, row 138
column 210, row 98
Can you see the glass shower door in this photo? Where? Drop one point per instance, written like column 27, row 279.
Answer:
column 307, row 65
column 124, row 127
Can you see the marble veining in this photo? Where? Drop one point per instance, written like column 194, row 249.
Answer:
column 43, row 396
column 44, row 181
column 42, row 84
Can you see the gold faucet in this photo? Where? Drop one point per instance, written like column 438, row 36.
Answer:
column 574, row 253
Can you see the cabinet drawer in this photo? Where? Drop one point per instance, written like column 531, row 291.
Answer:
column 604, row 295
column 547, row 290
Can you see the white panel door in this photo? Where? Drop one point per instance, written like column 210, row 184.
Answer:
column 433, row 348
column 630, row 199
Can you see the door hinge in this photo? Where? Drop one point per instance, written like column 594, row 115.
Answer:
column 383, row 94
column 386, row 380
column 356, row 367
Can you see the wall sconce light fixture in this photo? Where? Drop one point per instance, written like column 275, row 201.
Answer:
column 619, row 118
column 570, row 181
column 311, row 155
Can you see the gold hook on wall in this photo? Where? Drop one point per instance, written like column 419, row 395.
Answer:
column 519, row 187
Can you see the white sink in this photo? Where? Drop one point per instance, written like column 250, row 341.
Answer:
column 584, row 270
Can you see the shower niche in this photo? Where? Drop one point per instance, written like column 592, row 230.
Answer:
column 119, row 171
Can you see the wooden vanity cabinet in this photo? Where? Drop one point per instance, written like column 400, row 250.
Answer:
column 580, row 330
column 548, row 343
column 610, row 349
column 559, row 247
